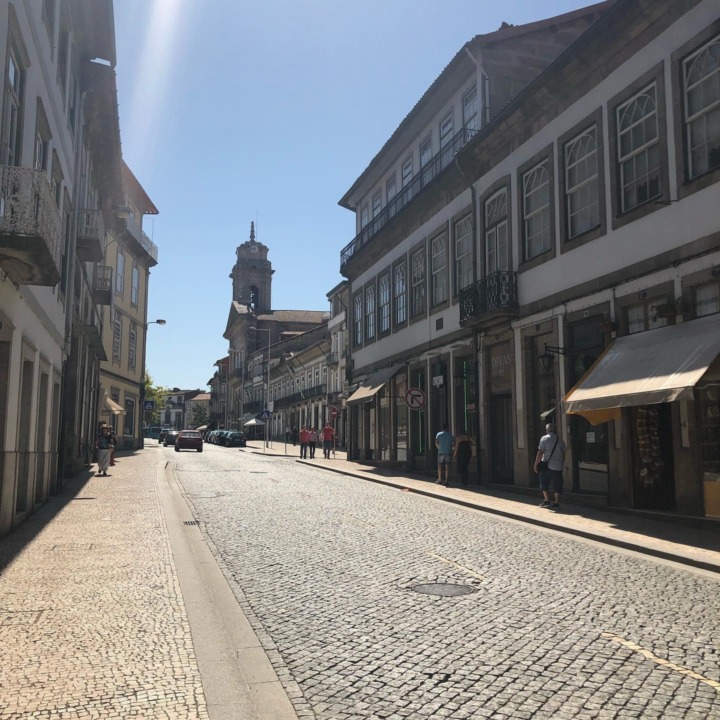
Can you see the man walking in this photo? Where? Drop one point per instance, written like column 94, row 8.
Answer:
column 328, row 433
column 549, row 464
column 444, row 441
column 304, row 437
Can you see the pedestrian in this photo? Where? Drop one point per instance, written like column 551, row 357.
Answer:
column 328, row 435
column 312, row 441
column 444, row 444
column 113, row 444
column 294, row 435
column 549, row 465
column 304, row 437
column 287, row 433
column 102, row 443
column 462, row 453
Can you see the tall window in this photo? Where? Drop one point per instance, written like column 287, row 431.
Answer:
column 707, row 300
column 399, row 293
column 117, row 338
column 701, row 73
column 63, row 54
column 446, row 135
column 638, row 145
column 390, row 193
column 42, row 138
column 357, row 319
column 644, row 316
column 370, row 313
column 364, row 216
column 471, row 121
column 536, row 210
column 120, row 274
column 48, row 16
column 377, row 203
column 129, row 420
column 132, row 346
column 135, row 288
column 426, row 153
column 13, row 108
column 438, row 270
column 581, row 182
column 417, row 268
column 463, row 253
column 384, row 303
column 407, row 176
column 497, row 256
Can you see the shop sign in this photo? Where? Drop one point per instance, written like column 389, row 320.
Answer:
column 502, row 361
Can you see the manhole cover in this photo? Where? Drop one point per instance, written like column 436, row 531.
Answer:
column 443, row 589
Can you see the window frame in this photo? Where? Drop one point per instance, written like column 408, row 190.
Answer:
column 416, row 313
column 400, row 264
column 547, row 156
column 369, row 312
column 117, row 332
column 135, row 285
column 475, row 117
column 120, row 273
column 465, row 216
column 358, row 320
column 13, row 111
column 438, row 276
column 384, row 304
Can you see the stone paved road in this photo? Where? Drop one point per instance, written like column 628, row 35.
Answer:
column 554, row 627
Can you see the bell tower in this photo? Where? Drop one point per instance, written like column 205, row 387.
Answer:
column 252, row 275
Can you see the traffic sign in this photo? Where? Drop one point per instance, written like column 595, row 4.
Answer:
column 415, row 398
column 333, row 412
column 264, row 415
column 148, row 405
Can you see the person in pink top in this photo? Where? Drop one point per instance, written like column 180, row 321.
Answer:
column 304, row 438
column 327, row 437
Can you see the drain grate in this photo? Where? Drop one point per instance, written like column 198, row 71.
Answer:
column 443, row 589
column 192, row 522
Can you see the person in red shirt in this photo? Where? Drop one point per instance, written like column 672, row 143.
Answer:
column 328, row 434
column 304, row 438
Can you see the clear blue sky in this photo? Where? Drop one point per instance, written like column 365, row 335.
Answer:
column 234, row 111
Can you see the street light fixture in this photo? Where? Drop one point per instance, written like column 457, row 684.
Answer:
column 141, row 439
column 267, row 387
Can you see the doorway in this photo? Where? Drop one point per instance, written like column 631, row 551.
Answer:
column 653, row 467
column 501, row 440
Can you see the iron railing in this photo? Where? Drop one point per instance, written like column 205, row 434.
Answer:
column 91, row 226
column 102, row 278
column 141, row 236
column 428, row 173
column 497, row 291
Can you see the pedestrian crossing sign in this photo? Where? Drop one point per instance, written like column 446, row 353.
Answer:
column 264, row 415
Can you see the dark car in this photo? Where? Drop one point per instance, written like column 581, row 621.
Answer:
column 170, row 437
column 235, row 439
column 189, row 440
column 161, row 435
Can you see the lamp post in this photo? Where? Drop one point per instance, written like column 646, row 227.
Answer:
column 141, row 439
column 267, row 388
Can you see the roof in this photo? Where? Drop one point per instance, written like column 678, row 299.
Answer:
column 137, row 192
column 306, row 316
column 202, row 396
column 460, row 58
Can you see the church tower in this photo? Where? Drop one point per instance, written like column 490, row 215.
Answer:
column 252, row 275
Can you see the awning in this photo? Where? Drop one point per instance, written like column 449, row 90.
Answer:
column 201, row 428
column 112, row 407
column 372, row 384
column 254, row 421
column 651, row 367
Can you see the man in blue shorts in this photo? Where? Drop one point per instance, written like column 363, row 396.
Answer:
column 551, row 451
column 444, row 441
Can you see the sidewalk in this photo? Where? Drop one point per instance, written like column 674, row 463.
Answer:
column 696, row 546
column 112, row 606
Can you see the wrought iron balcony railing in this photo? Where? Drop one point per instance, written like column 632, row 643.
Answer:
column 30, row 227
column 141, row 237
column 90, row 236
column 497, row 291
column 102, row 285
column 332, row 358
column 428, row 173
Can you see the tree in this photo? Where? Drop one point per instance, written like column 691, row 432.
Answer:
column 157, row 393
column 200, row 416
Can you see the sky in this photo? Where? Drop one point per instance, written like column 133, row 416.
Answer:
column 267, row 111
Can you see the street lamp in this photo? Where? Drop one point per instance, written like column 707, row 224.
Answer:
column 141, row 438
column 267, row 388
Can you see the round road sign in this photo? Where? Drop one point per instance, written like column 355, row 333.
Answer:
column 415, row 398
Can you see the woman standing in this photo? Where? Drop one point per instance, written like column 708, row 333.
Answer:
column 312, row 441
column 462, row 454
column 104, row 446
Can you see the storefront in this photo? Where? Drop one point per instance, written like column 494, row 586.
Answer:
column 659, row 389
column 500, row 362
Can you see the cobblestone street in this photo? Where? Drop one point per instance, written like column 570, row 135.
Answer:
column 554, row 627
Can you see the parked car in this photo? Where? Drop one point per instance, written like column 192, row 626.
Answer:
column 152, row 433
column 235, row 438
column 189, row 440
column 170, row 437
column 161, row 435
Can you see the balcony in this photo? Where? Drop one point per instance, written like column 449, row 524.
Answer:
column 427, row 175
column 332, row 358
column 94, row 340
column 30, row 250
column 490, row 300
column 102, row 285
column 90, row 236
column 135, row 233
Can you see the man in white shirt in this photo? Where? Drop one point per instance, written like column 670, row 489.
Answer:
column 551, row 452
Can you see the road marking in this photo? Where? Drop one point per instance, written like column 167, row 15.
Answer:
column 457, row 565
column 661, row 661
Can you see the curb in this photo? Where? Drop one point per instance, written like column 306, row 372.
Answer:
column 604, row 539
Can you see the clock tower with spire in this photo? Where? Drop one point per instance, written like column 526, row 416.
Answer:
column 252, row 275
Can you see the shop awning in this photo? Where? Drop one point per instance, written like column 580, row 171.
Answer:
column 112, row 407
column 652, row 367
column 372, row 384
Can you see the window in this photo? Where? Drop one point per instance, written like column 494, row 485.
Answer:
column 645, row 316
column 129, row 420
column 364, row 216
column 135, row 287
column 399, row 290
column 581, row 183
column 407, row 176
column 120, row 274
column 357, row 319
column 438, row 270
column 497, row 256
column 48, row 17
column 42, row 138
column 117, row 338
column 72, row 104
column 425, row 158
column 377, row 203
column 536, row 210
column 56, row 179
column 132, row 346
column 391, row 192
column 638, row 149
column 370, row 313
column 13, row 108
column 446, row 130
column 417, row 267
column 470, row 114
column 707, row 300
column 463, row 253
column 63, row 52
column 701, row 75
column 384, row 303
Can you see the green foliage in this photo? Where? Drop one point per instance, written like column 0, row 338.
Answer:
column 158, row 393
column 200, row 416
